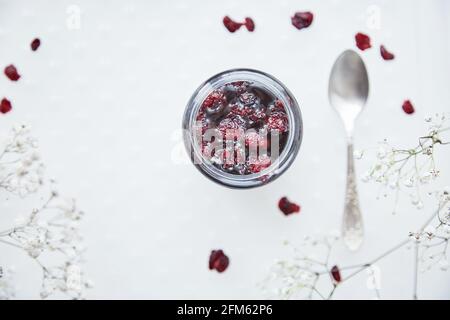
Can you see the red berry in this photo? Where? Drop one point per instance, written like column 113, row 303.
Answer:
column 408, row 107
column 248, row 98
column 239, row 86
column 302, row 20
column 231, row 25
column 336, row 274
column 279, row 104
column 386, row 54
column 249, row 24
column 11, row 73
column 213, row 100
column 288, row 207
column 218, row 261
column 252, row 138
column 5, row 106
column 231, row 125
column 259, row 164
column 278, row 120
column 362, row 41
column 257, row 114
column 35, row 44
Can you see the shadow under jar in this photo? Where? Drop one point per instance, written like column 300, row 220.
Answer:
column 242, row 128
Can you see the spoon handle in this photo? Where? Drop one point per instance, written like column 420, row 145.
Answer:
column 352, row 228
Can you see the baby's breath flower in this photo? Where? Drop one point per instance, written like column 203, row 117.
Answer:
column 53, row 226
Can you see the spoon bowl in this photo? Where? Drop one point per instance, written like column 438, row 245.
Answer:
column 348, row 87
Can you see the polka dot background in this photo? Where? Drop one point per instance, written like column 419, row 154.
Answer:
column 105, row 95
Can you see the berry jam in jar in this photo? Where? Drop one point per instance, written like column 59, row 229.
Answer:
column 242, row 128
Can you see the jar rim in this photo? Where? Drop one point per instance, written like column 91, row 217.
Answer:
column 276, row 88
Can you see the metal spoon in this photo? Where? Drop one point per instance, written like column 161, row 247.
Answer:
column 348, row 91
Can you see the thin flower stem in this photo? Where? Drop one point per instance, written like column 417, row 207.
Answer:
column 11, row 244
column 416, row 269
column 365, row 266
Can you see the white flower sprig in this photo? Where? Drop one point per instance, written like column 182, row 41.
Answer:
column 50, row 232
column 21, row 171
column 298, row 277
column 411, row 168
column 394, row 167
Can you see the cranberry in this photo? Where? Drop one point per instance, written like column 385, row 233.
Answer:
column 237, row 110
column 214, row 102
column 278, row 120
column 279, row 104
column 218, row 261
column 288, row 207
column 302, row 20
column 362, row 41
column 233, row 123
column 231, row 25
column 336, row 274
column 251, row 138
column 241, row 110
column 249, row 24
column 5, row 106
column 386, row 54
column 257, row 165
column 248, row 98
column 35, row 44
column 257, row 114
column 11, row 73
column 408, row 107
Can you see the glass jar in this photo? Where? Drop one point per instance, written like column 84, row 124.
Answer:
column 291, row 140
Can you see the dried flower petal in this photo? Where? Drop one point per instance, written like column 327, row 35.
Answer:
column 11, row 73
column 233, row 26
column 408, row 107
column 35, row 44
column 386, row 55
column 302, row 20
column 362, row 41
column 218, row 261
column 336, row 274
column 288, row 207
column 249, row 24
column 5, row 106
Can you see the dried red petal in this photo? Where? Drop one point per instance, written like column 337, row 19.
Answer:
column 362, row 41
column 5, row 106
column 336, row 274
column 302, row 20
column 35, row 44
column 249, row 24
column 408, row 107
column 11, row 73
column 218, row 261
column 288, row 207
column 231, row 25
column 386, row 54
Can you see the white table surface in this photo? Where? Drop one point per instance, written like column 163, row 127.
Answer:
column 106, row 102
